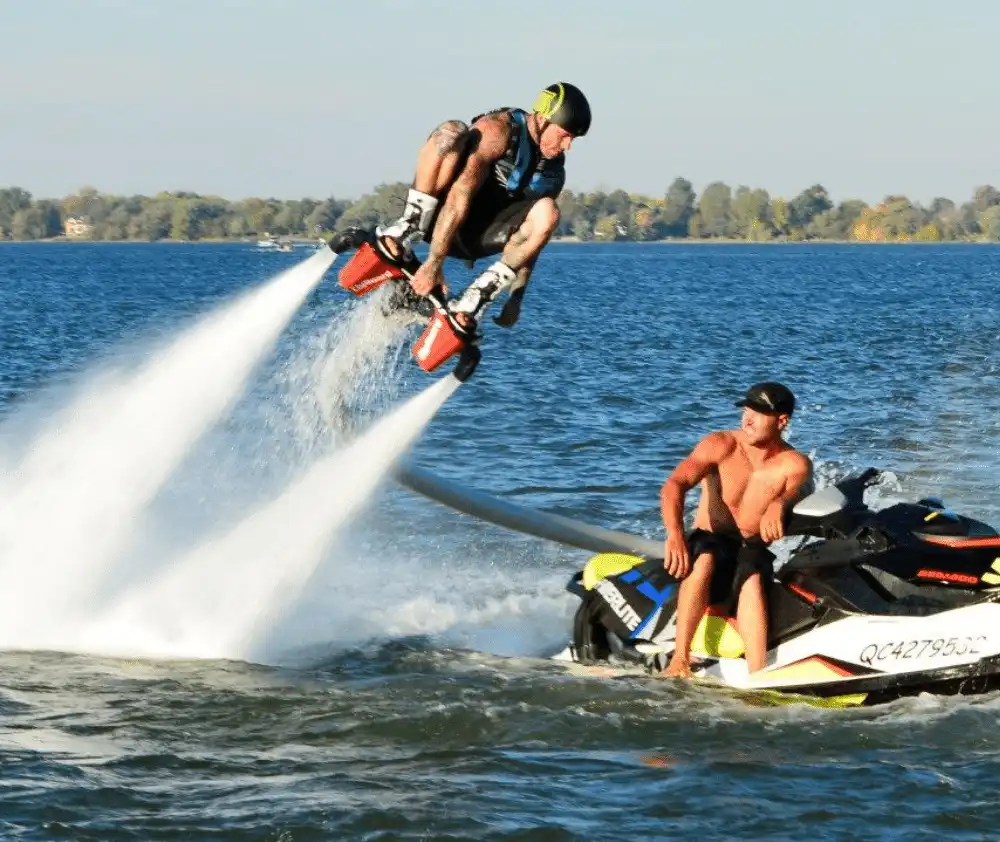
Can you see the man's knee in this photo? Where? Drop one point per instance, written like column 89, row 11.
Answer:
column 449, row 136
column 751, row 596
column 703, row 565
column 753, row 585
column 544, row 216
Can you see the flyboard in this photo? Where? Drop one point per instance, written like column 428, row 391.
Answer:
column 371, row 266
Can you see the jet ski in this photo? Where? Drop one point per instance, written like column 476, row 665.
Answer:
column 871, row 606
column 371, row 266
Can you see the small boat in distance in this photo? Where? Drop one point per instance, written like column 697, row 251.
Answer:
column 272, row 243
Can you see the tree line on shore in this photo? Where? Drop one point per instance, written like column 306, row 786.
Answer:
column 719, row 212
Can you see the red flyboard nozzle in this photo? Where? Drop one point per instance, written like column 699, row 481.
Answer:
column 367, row 270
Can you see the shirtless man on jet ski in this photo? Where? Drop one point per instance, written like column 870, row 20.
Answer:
column 749, row 477
column 490, row 188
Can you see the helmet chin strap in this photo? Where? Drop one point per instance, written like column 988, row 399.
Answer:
column 536, row 125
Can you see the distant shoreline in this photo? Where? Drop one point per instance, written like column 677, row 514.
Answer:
column 718, row 215
column 676, row 241
column 207, row 241
column 727, row 241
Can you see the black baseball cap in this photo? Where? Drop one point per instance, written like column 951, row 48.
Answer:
column 769, row 398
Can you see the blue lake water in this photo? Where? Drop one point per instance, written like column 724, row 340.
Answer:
column 423, row 708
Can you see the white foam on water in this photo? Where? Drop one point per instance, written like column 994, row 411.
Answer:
column 511, row 603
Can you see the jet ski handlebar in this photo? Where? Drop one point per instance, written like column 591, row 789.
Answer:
column 853, row 488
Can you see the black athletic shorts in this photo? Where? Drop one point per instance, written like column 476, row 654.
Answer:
column 490, row 224
column 735, row 561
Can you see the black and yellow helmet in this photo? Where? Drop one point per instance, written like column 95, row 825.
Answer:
column 565, row 105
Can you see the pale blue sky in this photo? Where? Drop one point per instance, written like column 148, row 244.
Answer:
column 310, row 98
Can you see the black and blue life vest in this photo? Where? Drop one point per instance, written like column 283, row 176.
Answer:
column 522, row 171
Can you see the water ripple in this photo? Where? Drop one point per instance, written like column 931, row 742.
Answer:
column 393, row 720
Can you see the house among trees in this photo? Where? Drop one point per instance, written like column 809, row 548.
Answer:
column 77, row 228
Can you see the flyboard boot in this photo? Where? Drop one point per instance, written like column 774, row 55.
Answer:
column 445, row 336
column 452, row 328
column 375, row 262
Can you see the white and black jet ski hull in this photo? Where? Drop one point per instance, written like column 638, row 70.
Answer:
column 878, row 658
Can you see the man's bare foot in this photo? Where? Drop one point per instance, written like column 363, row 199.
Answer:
column 678, row 668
